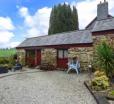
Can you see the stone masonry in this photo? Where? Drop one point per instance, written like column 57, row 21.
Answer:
column 21, row 54
column 83, row 53
column 49, row 55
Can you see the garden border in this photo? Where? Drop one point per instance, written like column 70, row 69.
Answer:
column 110, row 98
column 99, row 99
column 11, row 74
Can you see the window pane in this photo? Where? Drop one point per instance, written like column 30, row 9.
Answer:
column 60, row 54
column 65, row 53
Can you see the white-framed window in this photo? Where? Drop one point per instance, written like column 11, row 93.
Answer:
column 62, row 53
column 65, row 53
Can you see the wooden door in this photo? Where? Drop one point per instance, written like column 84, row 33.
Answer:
column 38, row 57
column 62, row 58
column 30, row 57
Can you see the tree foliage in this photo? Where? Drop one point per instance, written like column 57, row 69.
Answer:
column 63, row 18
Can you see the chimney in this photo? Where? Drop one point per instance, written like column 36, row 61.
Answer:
column 102, row 10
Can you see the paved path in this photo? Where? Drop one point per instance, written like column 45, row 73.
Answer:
column 51, row 87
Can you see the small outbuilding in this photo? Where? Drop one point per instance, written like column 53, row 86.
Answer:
column 57, row 48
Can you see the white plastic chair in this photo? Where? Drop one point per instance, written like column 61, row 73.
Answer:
column 75, row 67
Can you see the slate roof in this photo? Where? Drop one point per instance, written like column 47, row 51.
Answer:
column 74, row 37
column 102, row 25
column 92, row 23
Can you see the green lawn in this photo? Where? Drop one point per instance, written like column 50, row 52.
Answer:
column 7, row 52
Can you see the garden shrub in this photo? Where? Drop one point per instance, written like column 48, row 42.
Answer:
column 111, row 93
column 99, row 73
column 4, row 60
column 105, row 57
column 11, row 60
column 7, row 62
column 100, row 81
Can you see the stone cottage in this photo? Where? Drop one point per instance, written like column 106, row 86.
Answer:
column 56, row 49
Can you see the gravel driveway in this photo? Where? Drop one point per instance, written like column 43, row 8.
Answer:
column 52, row 87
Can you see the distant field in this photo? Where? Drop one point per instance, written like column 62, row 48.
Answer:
column 7, row 52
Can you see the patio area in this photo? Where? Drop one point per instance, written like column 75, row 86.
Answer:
column 51, row 87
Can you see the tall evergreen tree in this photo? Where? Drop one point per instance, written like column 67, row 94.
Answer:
column 62, row 19
column 75, row 18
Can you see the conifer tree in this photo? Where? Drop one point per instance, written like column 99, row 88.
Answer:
column 63, row 19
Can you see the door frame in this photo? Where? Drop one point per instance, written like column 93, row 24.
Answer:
column 62, row 62
column 37, row 57
column 28, row 59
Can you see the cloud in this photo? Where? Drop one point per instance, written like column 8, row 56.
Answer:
column 24, row 11
column 6, row 31
column 14, row 44
column 36, row 24
column 6, row 23
column 5, row 36
column 10, row 44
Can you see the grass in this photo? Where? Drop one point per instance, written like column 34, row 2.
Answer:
column 7, row 52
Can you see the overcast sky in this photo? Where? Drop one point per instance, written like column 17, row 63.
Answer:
column 20, row 19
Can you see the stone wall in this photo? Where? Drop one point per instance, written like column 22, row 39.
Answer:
column 85, row 55
column 49, row 55
column 21, row 55
column 97, row 39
